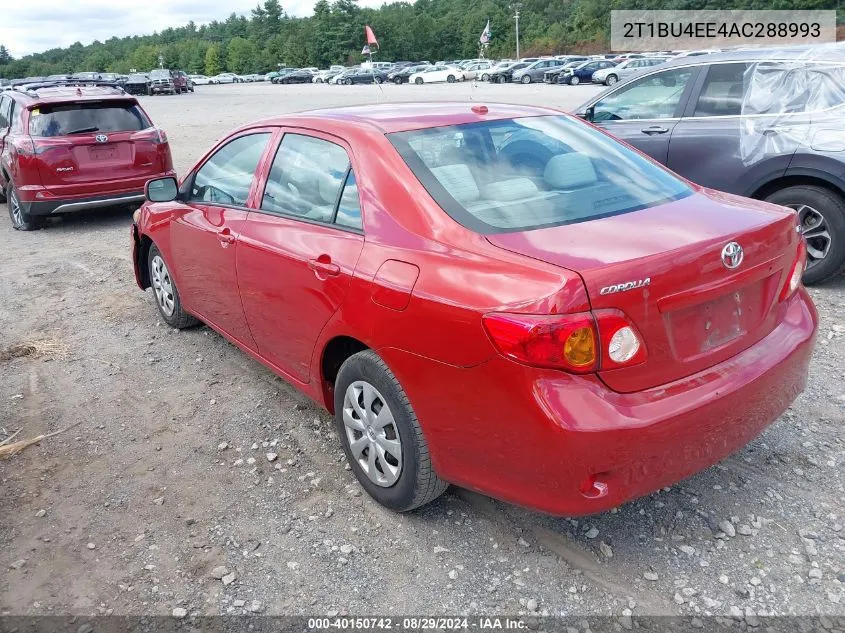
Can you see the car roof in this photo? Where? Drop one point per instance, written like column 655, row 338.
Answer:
column 61, row 94
column 401, row 117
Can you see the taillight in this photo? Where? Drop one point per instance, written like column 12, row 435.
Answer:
column 796, row 272
column 154, row 135
column 579, row 343
column 621, row 344
column 555, row 341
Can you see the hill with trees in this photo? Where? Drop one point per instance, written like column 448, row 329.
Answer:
column 424, row 29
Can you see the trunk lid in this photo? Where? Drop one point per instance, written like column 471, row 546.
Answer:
column 692, row 312
column 80, row 143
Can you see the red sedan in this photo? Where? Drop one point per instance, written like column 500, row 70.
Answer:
column 502, row 298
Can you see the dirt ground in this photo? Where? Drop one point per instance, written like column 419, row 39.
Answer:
column 164, row 487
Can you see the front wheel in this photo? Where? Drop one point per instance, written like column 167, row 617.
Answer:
column 418, row 81
column 610, row 80
column 379, row 80
column 381, row 436
column 485, row 77
column 821, row 214
column 574, row 81
column 397, row 80
column 164, row 290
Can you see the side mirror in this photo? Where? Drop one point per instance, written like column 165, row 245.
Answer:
column 588, row 114
column 161, row 190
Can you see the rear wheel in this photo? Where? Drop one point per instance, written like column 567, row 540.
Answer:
column 379, row 80
column 418, row 81
column 164, row 290
column 610, row 80
column 501, row 79
column 821, row 214
column 526, row 79
column 397, row 80
column 574, row 81
column 485, row 77
column 451, row 79
column 381, row 435
column 21, row 220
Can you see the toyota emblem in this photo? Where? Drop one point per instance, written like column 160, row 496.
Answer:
column 101, row 138
column 732, row 255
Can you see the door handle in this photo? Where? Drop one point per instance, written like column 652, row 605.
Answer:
column 655, row 129
column 225, row 236
column 323, row 266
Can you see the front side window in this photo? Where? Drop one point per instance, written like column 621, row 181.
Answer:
column 306, row 178
column 65, row 119
column 721, row 94
column 654, row 97
column 527, row 173
column 226, row 177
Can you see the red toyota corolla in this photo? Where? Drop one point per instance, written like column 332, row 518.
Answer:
column 501, row 297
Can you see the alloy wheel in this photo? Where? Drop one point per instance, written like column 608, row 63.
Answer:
column 372, row 433
column 611, row 79
column 15, row 211
column 162, row 285
column 816, row 232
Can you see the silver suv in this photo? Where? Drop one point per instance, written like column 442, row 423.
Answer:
column 764, row 124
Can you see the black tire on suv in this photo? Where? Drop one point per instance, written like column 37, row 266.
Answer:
column 822, row 215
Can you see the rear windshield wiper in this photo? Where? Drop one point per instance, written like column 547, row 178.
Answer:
column 82, row 130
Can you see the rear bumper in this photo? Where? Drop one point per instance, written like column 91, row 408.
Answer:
column 37, row 200
column 535, row 437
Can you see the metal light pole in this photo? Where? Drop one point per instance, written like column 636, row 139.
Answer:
column 516, row 7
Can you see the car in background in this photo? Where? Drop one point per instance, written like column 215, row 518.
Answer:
column 226, row 78
column 477, row 70
column 200, row 80
column 502, row 74
column 182, row 82
column 403, row 75
column 397, row 320
column 583, row 72
column 86, row 76
column 5, row 84
column 609, row 76
column 271, row 76
column 536, row 70
column 362, row 76
column 437, row 74
column 71, row 148
column 302, row 76
column 551, row 76
column 743, row 122
column 138, row 84
column 324, row 76
column 162, row 81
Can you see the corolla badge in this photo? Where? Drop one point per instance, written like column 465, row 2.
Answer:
column 628, row 285
column 732, row 255
column 101, row 138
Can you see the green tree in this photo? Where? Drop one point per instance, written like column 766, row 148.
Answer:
column 212, row 60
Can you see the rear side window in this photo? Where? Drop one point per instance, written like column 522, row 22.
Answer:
column 722, row 92
column 533, row 172
column 64, row 119
column 306, row 178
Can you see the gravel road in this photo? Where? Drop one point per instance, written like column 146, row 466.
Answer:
column 197, row 481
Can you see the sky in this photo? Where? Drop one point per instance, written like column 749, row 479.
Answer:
column 44, row 24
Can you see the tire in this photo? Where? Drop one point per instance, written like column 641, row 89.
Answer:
column 610, row 80
column 526, row 79
column 379, row 80
column 501, row 80
column 450, row 79
column 818, row 209
column 574, row 81
column 21, row 221
column 416, row 483
column 397, row 80
column 165, row 293
column 319, row 81
column 485, row 77
column 419, row 81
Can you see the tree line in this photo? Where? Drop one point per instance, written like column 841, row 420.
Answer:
column 423, row 29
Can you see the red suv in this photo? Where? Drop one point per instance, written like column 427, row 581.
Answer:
column 68, row 148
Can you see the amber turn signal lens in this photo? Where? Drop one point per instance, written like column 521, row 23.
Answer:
column 580, row 347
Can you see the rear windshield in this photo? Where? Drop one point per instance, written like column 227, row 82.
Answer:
column 64, row 119
column 533, row 172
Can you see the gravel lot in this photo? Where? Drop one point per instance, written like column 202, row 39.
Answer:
column 164, row 496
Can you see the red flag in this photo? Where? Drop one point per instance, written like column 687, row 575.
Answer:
column 371, row 37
